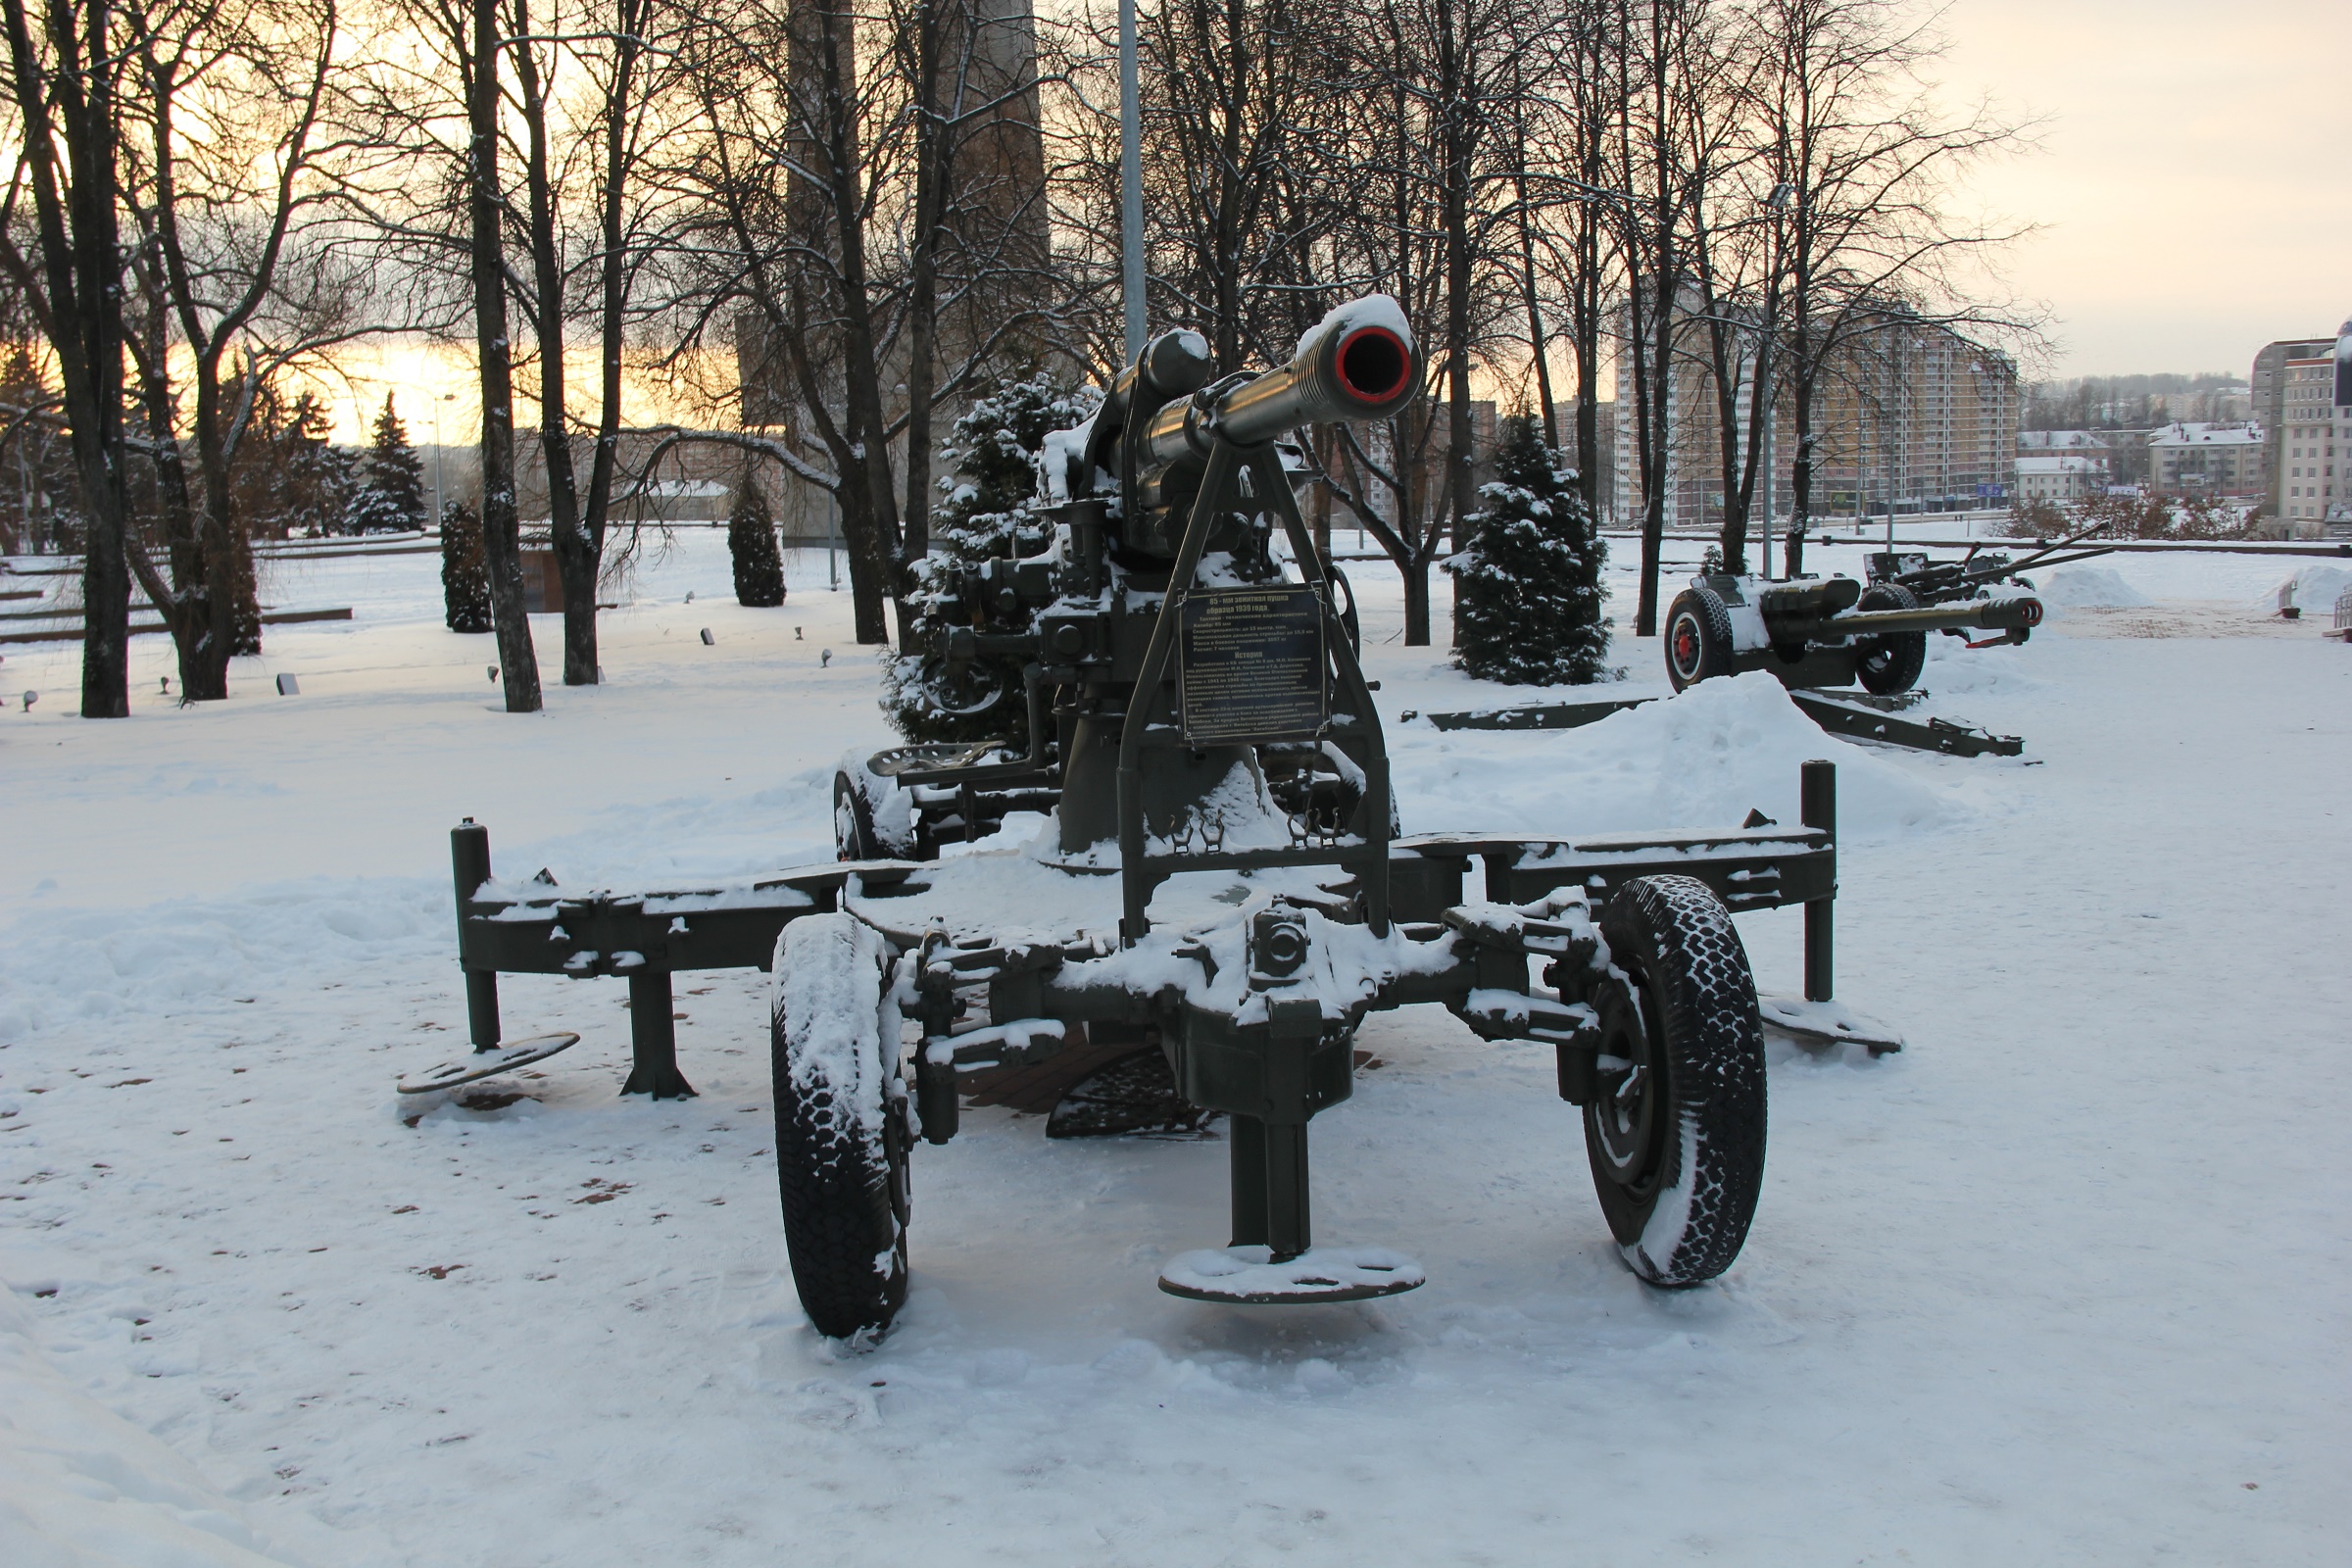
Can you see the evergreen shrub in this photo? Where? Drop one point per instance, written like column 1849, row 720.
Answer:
column 1528, row 609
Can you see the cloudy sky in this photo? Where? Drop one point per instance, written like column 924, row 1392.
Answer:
column 2194, row 173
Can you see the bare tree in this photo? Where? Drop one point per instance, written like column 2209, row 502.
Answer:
column 218, row 188
column 1659, row 57
column 1868, row 243
column 841, row 229
column 63, row 82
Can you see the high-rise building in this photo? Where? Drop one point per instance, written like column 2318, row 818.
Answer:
column 1910, row 415
column 2289, row 363
column 2337, row 497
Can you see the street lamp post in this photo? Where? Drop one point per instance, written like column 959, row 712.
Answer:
column 1131, row 183
column 1777, row 202
column 439, row 502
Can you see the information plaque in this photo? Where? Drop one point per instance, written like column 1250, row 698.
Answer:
column 1250, row 665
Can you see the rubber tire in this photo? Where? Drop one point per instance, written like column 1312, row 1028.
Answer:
column 853, row 822
column 1889, row 663
column 1697, row 614
column 1681, row 1208
column 840, row 1172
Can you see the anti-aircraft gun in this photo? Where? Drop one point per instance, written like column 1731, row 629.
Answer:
column 1204, row 739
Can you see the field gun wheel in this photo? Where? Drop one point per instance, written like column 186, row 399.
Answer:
column 1890, row 661
column 861, row 830
column 841, row 1125
column 1698, row 638
column 853, row 822
column 1675, row 1132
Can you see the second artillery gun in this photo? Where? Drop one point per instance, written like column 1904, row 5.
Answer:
column 1222, row 881
column 1833, row 631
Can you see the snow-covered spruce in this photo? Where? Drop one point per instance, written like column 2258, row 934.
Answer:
column 842, row 1133
column 391, row 498
column 465, row 570
column 990, row 510
column 752, row 547
column 1528, row 607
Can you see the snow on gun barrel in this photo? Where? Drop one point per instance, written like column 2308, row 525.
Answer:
column 1359, row 363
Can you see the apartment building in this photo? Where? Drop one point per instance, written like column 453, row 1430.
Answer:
column 1911, row 414
column 2060, row 476
column 2281, row 366
column 2222, row 461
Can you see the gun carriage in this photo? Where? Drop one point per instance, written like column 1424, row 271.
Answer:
column 1223, row 879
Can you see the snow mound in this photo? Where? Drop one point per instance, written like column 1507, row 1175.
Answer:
column 2315, row 591
column 206, row 954
column 1700, row 759
column 2089, row 588
column 83, row 1487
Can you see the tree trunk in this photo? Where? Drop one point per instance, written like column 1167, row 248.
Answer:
column 1416, row 600
column 629, row 14
column 933, row 155
column 577, row 557
column 1800, row 478
column 76, row 290
column 501, row 544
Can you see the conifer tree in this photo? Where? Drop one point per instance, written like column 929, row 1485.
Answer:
column 245, row 622
column 392, row 499
column 752, row 543
column 989, row 510
column 465, row 570
column 1528, row 607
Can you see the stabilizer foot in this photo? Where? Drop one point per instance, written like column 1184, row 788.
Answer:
column 1246, row 1276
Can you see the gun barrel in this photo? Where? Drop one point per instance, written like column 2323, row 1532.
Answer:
column 2016, row 613
column 1359, row 363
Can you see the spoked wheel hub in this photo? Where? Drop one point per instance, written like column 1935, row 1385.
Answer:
column 1685, row 647
column 1626, row 1118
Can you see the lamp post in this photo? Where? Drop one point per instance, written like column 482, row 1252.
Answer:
column 1777, row 204
column 438, row 502
column 1131, row 182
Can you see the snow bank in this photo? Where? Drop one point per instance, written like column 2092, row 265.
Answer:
column 2315, row 591
column 2089, row 588
column 83, row 1487
column 194, row 954
column 1700, row 760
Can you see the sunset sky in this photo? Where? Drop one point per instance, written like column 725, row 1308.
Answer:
column 2193, row 178
column 2191, row 174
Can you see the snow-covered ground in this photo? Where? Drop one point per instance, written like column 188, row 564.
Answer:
column 2063, row 1283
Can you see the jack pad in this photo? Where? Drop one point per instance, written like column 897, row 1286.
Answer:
column 1246, row 1277
column 488, row 1064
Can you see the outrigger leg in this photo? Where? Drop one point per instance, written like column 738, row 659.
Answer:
column 1272, row 1257
column 654, row 1039
column 1269, row 1186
